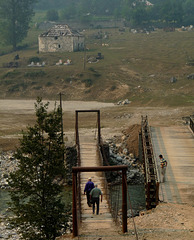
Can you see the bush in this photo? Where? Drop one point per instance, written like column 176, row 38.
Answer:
column 88, row 82
column 68, row 80
column 17, row 87
column 91, row 69
column 34, row 59
column 37, row 88
column 97, row 74
column 12, row 74
column 35, row 74
column 48, row 84
column 113, row 88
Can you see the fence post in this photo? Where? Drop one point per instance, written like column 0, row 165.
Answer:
column 99, row 132
column 76, row 126
column 124, row 202
column 74, row 212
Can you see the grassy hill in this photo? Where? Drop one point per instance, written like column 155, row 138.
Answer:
column 135, row 66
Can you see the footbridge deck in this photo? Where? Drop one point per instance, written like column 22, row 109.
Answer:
column 87, row 225
column 176, row 144
column 91, row 223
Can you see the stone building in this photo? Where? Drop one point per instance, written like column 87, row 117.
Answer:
column 60, row 38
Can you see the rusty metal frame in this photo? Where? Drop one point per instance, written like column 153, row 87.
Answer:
column 76, row 170
column 192, row 124
column 150, row 167
column 76, row 123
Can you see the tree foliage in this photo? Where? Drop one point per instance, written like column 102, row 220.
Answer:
column 15, row 16
column 35, row 192
column 52, row 15
column 137, row 12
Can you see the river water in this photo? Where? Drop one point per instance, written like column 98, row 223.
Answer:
column 136, row 193
column 135, row 197
column 4, row 199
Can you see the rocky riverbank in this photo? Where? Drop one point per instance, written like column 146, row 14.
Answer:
column 121, row 153
column 8, row 164
column 6, row 232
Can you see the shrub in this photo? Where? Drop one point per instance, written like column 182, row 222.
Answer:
column 35, row 74
column 12, row 74
column 34, row 59
column 113, row 88
column 48, row 84
column 17, row 87
column 68, row 80
column 97, row 74
column 37, row 88
column 91, row 69
column 88, row 82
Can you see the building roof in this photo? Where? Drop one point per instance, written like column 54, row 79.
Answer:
column 61, row 30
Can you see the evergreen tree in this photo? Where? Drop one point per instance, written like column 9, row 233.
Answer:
column 39, row 212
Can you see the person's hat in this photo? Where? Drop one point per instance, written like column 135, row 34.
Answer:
column 89, row 178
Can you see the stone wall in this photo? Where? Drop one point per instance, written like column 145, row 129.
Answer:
column 79, row 25
column 61, row 44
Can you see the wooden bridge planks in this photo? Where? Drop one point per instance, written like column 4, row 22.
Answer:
column 93, row 224
column 176, row 144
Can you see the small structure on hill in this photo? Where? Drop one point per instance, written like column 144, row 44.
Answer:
column 60, row 38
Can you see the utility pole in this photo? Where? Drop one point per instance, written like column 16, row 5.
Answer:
column 60, row 95
column 84, row 57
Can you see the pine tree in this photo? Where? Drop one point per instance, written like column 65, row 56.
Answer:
column 39, row 212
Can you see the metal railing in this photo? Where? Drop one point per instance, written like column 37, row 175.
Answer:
column 192, row 124
column 150, row 167
column 77, row 182
column 113, row 205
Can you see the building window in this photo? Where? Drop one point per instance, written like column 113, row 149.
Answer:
column 59, row 46
column 56, row 38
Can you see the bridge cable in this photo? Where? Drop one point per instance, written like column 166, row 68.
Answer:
column 95, row 134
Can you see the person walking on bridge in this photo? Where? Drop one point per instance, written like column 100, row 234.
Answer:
column 88, row 187
column 163, row 165
column 94, row 196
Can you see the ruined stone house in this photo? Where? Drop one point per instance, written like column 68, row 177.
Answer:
column 60, row 38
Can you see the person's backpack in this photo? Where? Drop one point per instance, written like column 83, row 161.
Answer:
column 163, row 163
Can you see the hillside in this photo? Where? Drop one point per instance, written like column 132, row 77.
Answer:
column 135, row 66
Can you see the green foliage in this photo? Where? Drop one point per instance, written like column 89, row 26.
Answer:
column 34, row 59
column 52, row 15
column 113, row 88
column 15, row 17
column 88, row 82
column 163, row 12
column 97, row 74
column 48, row 84
column 35, row 74
column 18, row 87
column 11, row 74
column 91, row 69
column 36, row 195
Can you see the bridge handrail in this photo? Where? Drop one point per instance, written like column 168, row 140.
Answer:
column 102, row 157
column 192, row 124
column 78, row 179
column 150, row 166
column 156, row 165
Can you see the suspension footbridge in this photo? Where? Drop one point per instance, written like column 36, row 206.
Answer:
column 175, row 143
